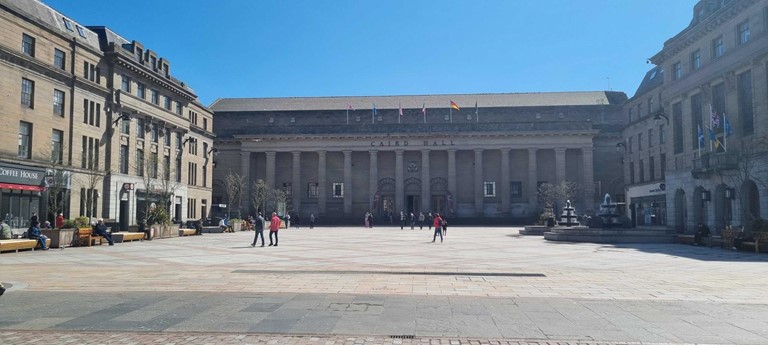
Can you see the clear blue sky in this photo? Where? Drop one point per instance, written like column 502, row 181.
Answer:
column 283, row 48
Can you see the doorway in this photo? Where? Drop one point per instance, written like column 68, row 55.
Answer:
column 124, row 216
column 438, row 204
column 413, row 204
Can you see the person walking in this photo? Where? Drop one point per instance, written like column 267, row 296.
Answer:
column 367, row 220
column 296, row 221
column 430, row 219
column 402, row 220
column 370, row 220
column 274, row 227
column 258, row 228
column 421, row 220
column 287, row 220
column 438, row 231
column 311, row 220
column 412, row 219
column 444, row 225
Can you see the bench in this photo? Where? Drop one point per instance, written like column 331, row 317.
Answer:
column 709, row 241
column 20, row 244
column 86, row 235
column 125, row 236
column 186, row 232
column 759, row 238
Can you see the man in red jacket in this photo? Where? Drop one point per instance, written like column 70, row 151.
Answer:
column 274, row 226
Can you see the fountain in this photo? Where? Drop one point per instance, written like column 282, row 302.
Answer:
column 609, row 213
column 568, row 218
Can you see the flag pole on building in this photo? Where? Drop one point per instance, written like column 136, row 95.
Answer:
column 373, row 114
column 477, row 113
column 400, row 112
column 711, row 129
column 424, row 111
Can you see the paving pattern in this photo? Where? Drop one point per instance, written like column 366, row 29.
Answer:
column 342, row 285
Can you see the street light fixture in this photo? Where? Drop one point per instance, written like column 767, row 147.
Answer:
column 124, row 117
column 659, row 116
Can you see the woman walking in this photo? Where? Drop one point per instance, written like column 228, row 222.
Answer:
column 274, row 227
column 438, row 223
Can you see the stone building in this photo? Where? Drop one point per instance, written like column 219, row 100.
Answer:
column 80, row 106
column 338, row 157
column 714, row 91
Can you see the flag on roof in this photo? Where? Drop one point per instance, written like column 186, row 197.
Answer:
column 400, row 107
column 700, row 136
column 424, row 109
column 715, row 120
column 454, row 105
column 350, row 107
column 727, row 126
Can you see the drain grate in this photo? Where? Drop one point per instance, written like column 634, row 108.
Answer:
column 402, row 336
column 465, row 274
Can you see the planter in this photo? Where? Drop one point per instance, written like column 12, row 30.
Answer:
column 237, row 226
column 166, row 231
column 60, row 237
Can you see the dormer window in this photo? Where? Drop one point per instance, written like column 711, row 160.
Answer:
column 153, row 61
column 140, row 55
column 68, row 24
column 80, row 31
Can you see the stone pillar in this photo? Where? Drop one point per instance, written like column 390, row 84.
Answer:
column 478, row 182
column 270, row 169
column 504, row 187
column 321, row 185
column 373, row 176
column 347, row 182
column 559, row 165
column 451, row 179
column 245, row 172
column 532, row 181
column 296, row 182
column 589, row 180
column 426, row 202
column 399, row 188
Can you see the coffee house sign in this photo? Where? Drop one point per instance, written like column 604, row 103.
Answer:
column 21, row 175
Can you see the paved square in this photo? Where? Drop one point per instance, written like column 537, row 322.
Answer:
column 331, row 283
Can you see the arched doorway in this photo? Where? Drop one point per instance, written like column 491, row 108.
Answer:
column 439, row 188
column 385, row 206
column 700, row 203
column 412, row 195
column 680, row 211
column 722, row 208
column 750, row 200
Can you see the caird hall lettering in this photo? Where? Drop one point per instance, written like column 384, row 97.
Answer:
column 405, row 143
column 19, row 173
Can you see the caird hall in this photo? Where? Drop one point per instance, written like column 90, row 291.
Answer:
column 472, row 155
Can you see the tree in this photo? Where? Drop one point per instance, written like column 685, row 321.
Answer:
column 278, row 197
column 235, row 185
column 259, row 195
column 550, row 195
column 739, row 166
column 57, row 180
column 92, row 178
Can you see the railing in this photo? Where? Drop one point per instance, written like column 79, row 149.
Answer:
column 711, row 163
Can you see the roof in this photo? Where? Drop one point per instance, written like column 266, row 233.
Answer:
column 484, row 100
column 653, row 79
column 54, row 20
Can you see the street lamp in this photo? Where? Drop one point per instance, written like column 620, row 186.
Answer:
column 124, row 117
column 621, row 146
column 659, row 116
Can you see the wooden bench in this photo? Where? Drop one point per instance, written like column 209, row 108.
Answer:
column 759, row 238
column 20, row 244
column 86, row 235
column 125, row 236
column 186, row 232
column 709, row 241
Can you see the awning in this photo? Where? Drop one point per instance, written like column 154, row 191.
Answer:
column 21, row 187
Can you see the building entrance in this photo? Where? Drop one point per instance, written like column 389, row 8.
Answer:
column 413, row 204
column 438, row 204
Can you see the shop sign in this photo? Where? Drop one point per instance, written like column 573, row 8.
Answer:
column 21, row 175
column 659, row 188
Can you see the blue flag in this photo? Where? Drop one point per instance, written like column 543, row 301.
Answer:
column 701, row 137
column 727, row 126
column 711, row 134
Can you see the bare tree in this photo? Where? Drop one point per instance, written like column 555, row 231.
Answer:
column 235, row 184
column 738, row 167
column 551, row 195
column 57, row 180
column 92, row 178
column 259, row 195
column 278, row 197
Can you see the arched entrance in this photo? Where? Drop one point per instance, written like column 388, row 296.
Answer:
column 722, row 208
column 700, row 205
column 681, row 212
column 750, row 200
column 412, row 195
column 439, row 188
column 385, row 206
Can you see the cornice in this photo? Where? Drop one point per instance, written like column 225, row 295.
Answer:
column 132, row 66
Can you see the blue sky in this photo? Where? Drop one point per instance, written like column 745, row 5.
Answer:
column 282, row 48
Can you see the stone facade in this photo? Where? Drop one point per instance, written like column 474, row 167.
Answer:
column 65, row 94
column 484, row 161
column 717, row 65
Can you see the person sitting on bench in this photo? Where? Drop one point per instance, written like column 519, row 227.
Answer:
column 34, row 233
column 702, row 231
column 101, row 229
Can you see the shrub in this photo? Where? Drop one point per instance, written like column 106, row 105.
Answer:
column 82, row 222
column 69, row 224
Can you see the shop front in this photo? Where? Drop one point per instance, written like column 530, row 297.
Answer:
column 22, row 191
column 647, row 204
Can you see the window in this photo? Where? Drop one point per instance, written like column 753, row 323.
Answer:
column 80, row 31
column 288, row 189
column 312, row 190
column 28, row 45
column 27, row 93
column 88, row 202
column 746, row 107
column 91, row 113
column 630, row 147
column 178, row 140
column 639, row 141
column 91, row 72
column 166, row 137
column 192, row 177
column 167, row 168
column 743, row 32
column 677, row 71
column 639, row 110
column 58, row 102
column 167, row 102
column 205, row 176
column 697, row 119
column 661, row 134
column 663, row 165
column 205, row 150
column 68, row 24
column 631, row 172
column 696, row 60
column 153, row 132
column 631, row 115
column 178, row 169
column 717, row 47
column 516, row 189
column 677, row 122
column 90, row 153
column 141, row 90
column 126, row 84
column 338, row 190
column 139, row 162
column 178, row 108
column 191, row 207
column 718, row 105
column 192, row 146
column 125, row 125
column 155, row 97
column 650, row 137
column 650, row 104
column 641, row 169
column 153, row 60
column 489, row 189
column 57, row 153
column 140, row 128
column 124, row 159
column 59, row 58
column 193, row 117
column 205, row 124
column 153, row 163
column 651, row 169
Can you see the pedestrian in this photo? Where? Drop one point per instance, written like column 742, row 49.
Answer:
column 444, row 225
column 702, row 231
column 101, row 229
column 367, row 219
column 430, row 218
column 438, row 224
column 274, row 227
column 297, row 220
column 421, row 220
column 60, row 221
column 33, row 221
column 287, row 220
column 258, row 228
column 199, row 227
column 370, row 220
column 34, row 233
column 311, row 220
column 402, row 220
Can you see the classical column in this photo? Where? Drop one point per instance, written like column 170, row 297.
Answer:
column 478, row 182
column 373, row 176
column 426, row 202
column 559, row 165
column 321, row 182
column 589, row 179
column 532, row 181
column 451, row 179
column 399, row 188
column 347, row 182
column 296, row 181
column 245, row 172
column 504, row 188
column 271, row 169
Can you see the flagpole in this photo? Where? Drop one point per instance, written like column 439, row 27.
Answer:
column 347, row 114
column 373, row 114
column 399, row 112
column 424, row 111
column 710, row 127
column 450, row 112
column 725, row 134
column 477, row 115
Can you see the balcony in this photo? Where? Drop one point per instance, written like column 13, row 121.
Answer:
column 714, row 163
